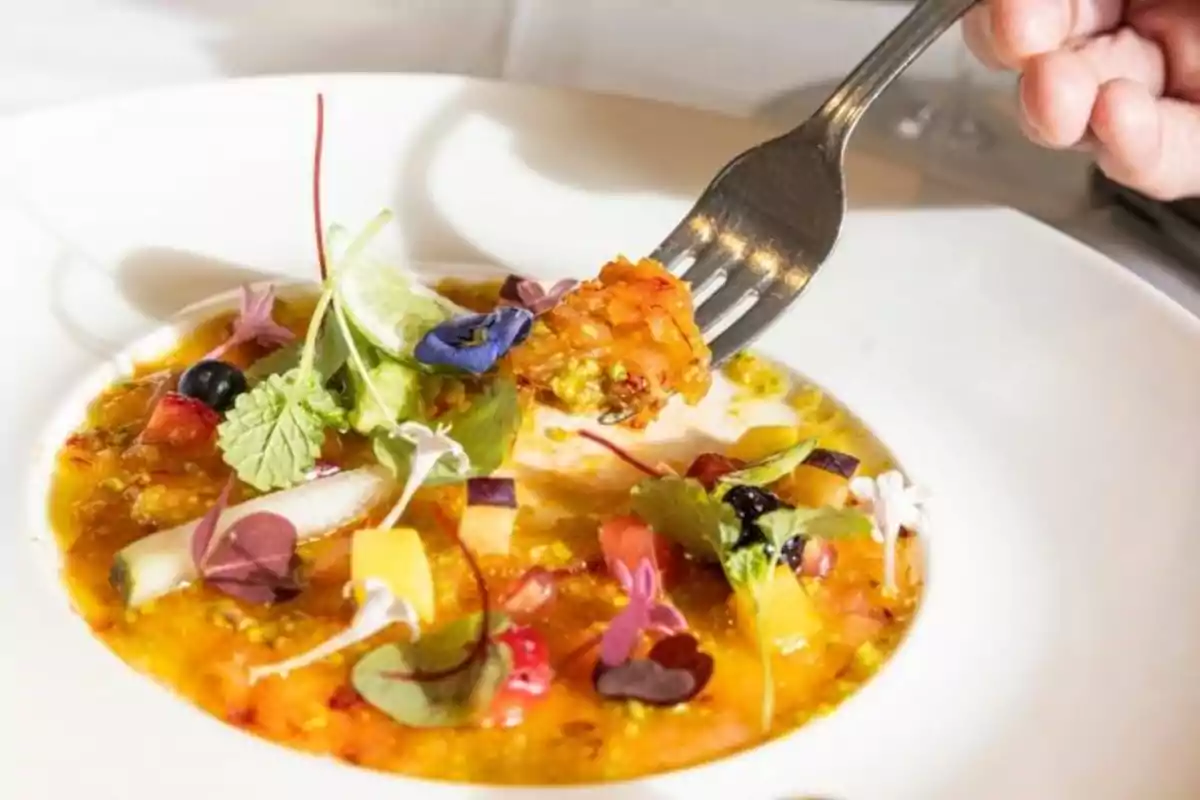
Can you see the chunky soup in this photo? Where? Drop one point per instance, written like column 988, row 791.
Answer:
column 385, row 526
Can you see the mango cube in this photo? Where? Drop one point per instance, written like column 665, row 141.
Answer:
column 487, row 530
column 813, row 487
column 396, row 557
column 762, row 441
column 787, row 614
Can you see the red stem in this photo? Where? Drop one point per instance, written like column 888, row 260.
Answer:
column 621, row 453
column 479, row 649
column 317, row 153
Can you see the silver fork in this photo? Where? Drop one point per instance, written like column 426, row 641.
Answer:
column 771, row 217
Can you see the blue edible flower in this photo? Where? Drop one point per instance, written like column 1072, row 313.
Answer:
column 475, row 342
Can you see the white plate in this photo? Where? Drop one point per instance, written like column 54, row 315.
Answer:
column 1051, row 402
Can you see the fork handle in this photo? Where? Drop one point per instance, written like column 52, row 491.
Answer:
column 890, row 58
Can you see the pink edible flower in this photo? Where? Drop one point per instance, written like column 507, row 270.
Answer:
column 644, row 612
column 254, row 322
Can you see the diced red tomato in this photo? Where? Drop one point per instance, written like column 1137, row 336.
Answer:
column 180, row 421
column 709, row 466
column 528, row 681
column 629, row 539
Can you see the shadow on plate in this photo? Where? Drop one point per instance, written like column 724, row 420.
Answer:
column 994, row 166
column 161, row 281
column 605, row 145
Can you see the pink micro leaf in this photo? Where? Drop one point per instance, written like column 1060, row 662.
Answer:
column 254, row 322
column 254, row 559
column 644, row 612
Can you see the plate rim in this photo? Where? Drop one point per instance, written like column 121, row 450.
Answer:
column 271, row 83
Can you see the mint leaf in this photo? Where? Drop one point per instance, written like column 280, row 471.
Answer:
column 768, row 470
column 395, row 453
column 486, row 430
column 828, row 523
column 397, row 386
column 451, row 701
column 274, row 432
column 279, row 361
column 681, row 510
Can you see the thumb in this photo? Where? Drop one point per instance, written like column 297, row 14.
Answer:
column 1148, row 143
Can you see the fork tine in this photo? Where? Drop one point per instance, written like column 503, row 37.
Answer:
column 742, row 281
column 708, row 265
column 742, row 333
column 679, row 243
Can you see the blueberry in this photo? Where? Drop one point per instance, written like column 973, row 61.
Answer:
column 214, row 383
column 751, row 502
column 793, row 552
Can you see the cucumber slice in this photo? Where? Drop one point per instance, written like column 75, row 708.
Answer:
column 162, row 562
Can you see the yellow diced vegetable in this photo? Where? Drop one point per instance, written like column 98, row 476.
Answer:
column 487, row 530
column 396, row 557
column 763, row 441
column 813, row 487
column 786, row 613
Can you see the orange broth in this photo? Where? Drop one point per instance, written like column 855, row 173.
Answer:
column 108, row 491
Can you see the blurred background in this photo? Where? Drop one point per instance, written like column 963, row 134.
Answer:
column 950, row 121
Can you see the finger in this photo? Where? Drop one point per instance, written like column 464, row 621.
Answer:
column 1175, row 26
column 1146, row 142
column 977, row 32
column 1059, row 90
column 1022, row 29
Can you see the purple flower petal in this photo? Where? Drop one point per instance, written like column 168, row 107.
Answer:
column 647, row 681
column 645, row 580
column 254, row 322
column 435, row 350
column 621, row 636
column 532, row 295
column 666, row 618
column 475, row 342
column 675, row 672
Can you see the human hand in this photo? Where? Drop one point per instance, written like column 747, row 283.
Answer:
column 1120, row 78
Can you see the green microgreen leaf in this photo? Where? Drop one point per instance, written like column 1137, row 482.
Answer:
column 486, row 430
column 681, row 510
column 397, row 385
column 749, row 569
column 451, row 701
column 784, row 524
column 769, row 469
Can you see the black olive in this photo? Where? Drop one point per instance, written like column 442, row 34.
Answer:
column 214, row 383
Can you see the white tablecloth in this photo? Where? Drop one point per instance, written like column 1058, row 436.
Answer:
column 767, row 57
